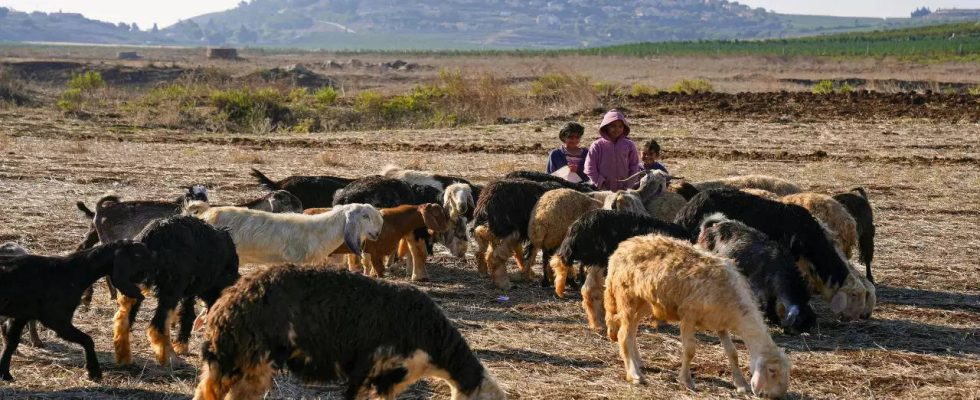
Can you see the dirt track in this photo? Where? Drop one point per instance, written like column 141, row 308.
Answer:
column 922, row 174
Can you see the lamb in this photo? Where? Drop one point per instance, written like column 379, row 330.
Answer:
column 114, row 219
column 501, row 220
column 590, row 241
column 551, row 216
column 279, row 201
column 791, row 226
column 8, row 250
column 48, row 289
column 400, row 222
column 659, row 201
column 266, row 238
column 312, row 191
column 542, row 177
column 191, row 260
column 671, row 280
column 858, row 205
column 778, row 186
column 825, row 209
column 769, row 268
column 377, row 336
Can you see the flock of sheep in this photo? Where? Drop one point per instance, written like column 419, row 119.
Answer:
column 722, row 256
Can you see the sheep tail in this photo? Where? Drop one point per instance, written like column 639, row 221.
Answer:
column 264, row 181
column 85, row 210
column 390, row 170
column 101, row 204
column 712, row 220
column 561, row 269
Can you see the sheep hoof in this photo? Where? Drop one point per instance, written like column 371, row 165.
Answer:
column 420, row 279
column 180, row 348
column 6, row 377
column 635, row 380
column 95, row 376
column 743, row 390
column 687, row 382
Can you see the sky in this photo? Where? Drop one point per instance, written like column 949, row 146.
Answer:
column 167, row 12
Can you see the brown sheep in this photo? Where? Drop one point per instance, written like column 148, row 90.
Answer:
column 672, row 280
column 762, row 193
column 778, row 186
column 554, row 212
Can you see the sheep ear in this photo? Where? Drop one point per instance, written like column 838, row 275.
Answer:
column 434, row 217
column 839, row 302
column 352, row 234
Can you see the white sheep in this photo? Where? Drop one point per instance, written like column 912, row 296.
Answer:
column 672, row 280
column 625, row 201
column 266, row 238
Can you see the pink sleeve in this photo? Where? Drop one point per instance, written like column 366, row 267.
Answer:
column 592, row 166
column 635, row 165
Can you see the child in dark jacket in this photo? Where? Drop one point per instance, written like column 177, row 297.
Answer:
column 650, row 155
column 569, row 154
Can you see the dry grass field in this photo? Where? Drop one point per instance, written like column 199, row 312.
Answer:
column 923, row 175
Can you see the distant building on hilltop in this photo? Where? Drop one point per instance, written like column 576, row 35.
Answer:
column 955, row 13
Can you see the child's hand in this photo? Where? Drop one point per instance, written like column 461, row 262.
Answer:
column 573, row 168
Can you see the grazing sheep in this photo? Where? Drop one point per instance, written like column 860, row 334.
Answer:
column 542, row 177
column 590, row 241
column 501, row 219
column 683, row 188
column 266, row 238
column 858, row 205
column 762, row 193
column 191, row 260
column 825, row 209
column 279, row 201
column 778, row 186
column 8, row 250
column 377, row 191
column 793, row 227
column 554, row 212
column 671, row 280
column 312, row 191
column 443, row 183
column 114, row 219
column 659, row 202
column 769, row 268
column 400, row 222
column 459, row 200
column 625, row 201
column 377, row 336
column 48, row 289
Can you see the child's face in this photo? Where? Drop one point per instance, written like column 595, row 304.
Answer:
column 572, row 141
column 615, row 129
column 649, row 157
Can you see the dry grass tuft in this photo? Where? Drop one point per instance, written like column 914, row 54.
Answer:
column 246, row 157
column 329, row 159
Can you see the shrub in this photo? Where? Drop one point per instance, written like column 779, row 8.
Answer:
column 86, row 81
column 325, row 97
column 823, row 87
column 71, row 101
column 974, row 91
column 845, row 88
column 251, row 107
column 12, row 90
column 368, row 102
column 554, row 85
column 692, row 86
column 640, row 90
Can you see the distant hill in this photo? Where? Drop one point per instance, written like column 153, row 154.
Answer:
column 450, row 24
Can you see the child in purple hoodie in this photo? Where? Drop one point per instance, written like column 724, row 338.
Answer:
column 613, row 157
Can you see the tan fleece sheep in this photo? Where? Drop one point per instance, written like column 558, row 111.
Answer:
column 778, row 186
column 762, row 193
column 672, row 280
column 550, row 219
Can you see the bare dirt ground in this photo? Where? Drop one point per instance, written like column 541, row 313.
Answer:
column 923, row 176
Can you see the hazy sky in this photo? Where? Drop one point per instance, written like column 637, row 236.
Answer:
column 856, row 8
column 166, row 12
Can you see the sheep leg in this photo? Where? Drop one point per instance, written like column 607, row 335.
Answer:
column 592, row 298
column 497, row 260
column 35, row 338
column 256, row 380
column 688, row 345
column 417, row 248
column 374, row 262
column 212, row 386
column 354, row 264
column 547, row 275
column 91, row 239
column 481, row 235
column 523, row 265
column 158, row 332
column 69, row 332
column 737, row 377
column 627, row 345
column 122, row 324
column 187, row 317
column 14, row 331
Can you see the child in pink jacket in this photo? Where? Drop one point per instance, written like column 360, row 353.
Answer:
column 613, row 157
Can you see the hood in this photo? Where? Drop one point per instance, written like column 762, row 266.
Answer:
column 610, row 117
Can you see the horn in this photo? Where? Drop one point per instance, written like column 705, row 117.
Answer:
column 633, row 176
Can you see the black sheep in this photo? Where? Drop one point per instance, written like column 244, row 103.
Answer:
column 794, row 228
column 590, row 242
column 9, row 250
column 687, row 190
column 542, row 177
column 191, row 260
column 114, row 219
column 859, row 206
column 312, row 191
column 48, row 289
column 502, row 215
column 279, row 201
column 325, row 326
column 769, row 268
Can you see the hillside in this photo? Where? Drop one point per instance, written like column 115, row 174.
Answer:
column 18, row 26
column 437, row 24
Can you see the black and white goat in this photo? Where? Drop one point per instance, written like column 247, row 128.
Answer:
column 590, row 242
column 312, row 191
column 48, row 289
column 377, row 336
column 191, row 260
column 279, row 201
column 770, row 269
